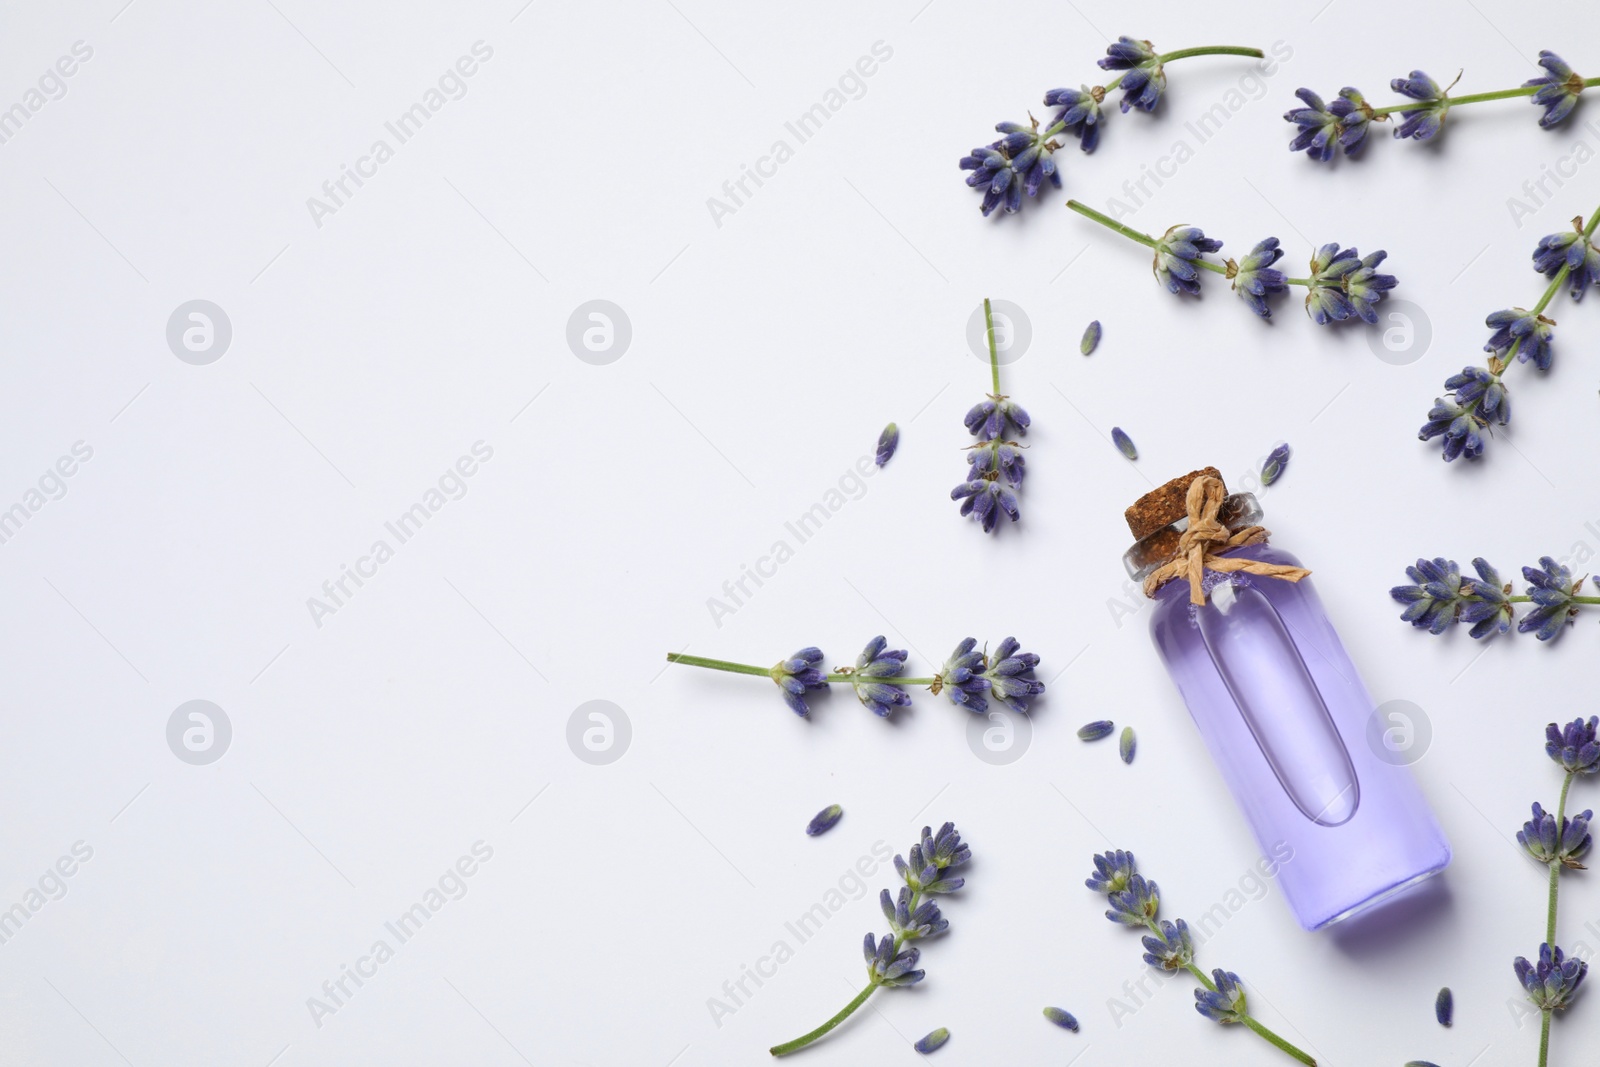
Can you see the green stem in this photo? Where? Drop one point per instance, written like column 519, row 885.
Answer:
column 994, row 358
column 1134, row 235
column 1274, row 1039
column 1555, row 866
column 844, row 1013
column 1210, row 50
column 1519, row 599
column 1476, row 98
column 1112, row 224
column 718, row 664
column 1185, row 53
column 1203, row 978
column 1544, row 1039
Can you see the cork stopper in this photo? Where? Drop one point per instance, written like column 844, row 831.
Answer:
column 1159, row 509
column 1165, row 505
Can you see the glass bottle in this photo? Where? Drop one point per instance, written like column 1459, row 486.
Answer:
column 1286, row 718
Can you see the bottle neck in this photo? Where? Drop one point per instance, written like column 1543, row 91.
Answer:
column 1160, row 547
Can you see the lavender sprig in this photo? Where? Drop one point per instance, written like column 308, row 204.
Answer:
column 1559, row 843
column 1136, row 902
column 970, row 678
column 1323, row 128
column 995, row 465
column 1477, row 399
column 1339, row 285
column 1023, row 159
column 912, row 916
column 1440, row 596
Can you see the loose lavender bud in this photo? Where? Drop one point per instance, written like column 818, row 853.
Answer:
column 932, row 1041
column 1094, row 731
column 824, row 820
column 1277, row 462
column 1444, row 1006
column 1124, row 443
column 888, row 441
column 1062, row 1018
column 1127, row 744
column 1091, row 338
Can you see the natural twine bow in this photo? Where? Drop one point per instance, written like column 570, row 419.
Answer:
column 1206, row 536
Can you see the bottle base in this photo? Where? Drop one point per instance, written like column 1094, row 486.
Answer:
column 1381, row 896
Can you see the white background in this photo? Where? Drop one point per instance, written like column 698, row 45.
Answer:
column 372, row 351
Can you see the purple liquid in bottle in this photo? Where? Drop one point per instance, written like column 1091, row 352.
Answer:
column 1286, row 718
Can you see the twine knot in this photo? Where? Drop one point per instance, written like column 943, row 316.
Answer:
column 1205, row 537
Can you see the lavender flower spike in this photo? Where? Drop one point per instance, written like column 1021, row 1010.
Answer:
column 912, row 917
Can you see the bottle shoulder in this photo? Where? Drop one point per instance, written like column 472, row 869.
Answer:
column 1173, row 597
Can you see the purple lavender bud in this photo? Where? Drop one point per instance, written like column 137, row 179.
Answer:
column 824, row 820
column 888, row 441
column 1062, row 1018
column 933, row 1041
column 1124, row 443
column 1127, row 744
column 1091, row 338
column 1444, row 1006
column 1094, row 731
column 1277, row 462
